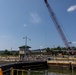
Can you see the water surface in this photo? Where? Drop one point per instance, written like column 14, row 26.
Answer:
column 50, row 72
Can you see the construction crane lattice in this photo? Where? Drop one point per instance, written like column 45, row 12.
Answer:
column 57, row 25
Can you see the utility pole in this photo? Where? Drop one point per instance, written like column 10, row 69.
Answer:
column 26, row 51
column 25, row 44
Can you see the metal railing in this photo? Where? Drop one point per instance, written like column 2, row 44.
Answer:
column 6, row 72
column 27, row 72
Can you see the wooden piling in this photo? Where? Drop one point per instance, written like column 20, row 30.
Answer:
column 70, row 66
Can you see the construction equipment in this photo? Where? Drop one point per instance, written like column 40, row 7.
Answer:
column 53, row 16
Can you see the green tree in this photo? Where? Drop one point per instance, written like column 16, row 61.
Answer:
column 58, row 48
column 6, row 52
column 47, row 49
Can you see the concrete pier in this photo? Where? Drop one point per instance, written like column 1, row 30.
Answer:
column 62, row 64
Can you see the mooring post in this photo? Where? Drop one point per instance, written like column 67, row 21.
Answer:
column 46, row 72
column 29, row 72
column 71, row 66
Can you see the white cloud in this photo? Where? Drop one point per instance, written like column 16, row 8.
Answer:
column 25, row 25
column 71, row 8
column 13, row 42
column 4, row 36
column 74, row 42
column 35, row 18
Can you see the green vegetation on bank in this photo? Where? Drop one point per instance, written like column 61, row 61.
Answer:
column 47, row 51
column 9, row 53
column 58, row 50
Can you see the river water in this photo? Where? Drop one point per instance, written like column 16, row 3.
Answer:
column 61, row 72
column 57, row 72
column 51, row 72
column 42, row 72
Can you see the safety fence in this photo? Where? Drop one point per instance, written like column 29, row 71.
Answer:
column 13, row 71
column 5, row 72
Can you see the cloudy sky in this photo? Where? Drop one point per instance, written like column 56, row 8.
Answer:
column 20, row 18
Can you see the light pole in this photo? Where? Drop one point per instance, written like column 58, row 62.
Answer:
column 25, row 44
column 41, row 50
column 26, row 52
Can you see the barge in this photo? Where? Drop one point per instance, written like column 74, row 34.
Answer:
column 34, row 65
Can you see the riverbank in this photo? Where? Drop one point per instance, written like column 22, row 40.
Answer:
column 54, row 62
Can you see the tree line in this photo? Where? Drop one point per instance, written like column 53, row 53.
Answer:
column 50, row 51
column 58, row 50
column 8, row 53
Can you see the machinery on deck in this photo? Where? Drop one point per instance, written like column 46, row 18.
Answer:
column 57, row 25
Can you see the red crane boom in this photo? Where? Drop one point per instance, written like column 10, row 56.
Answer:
column 57, row 25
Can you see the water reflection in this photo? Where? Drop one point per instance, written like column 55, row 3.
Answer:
column 61, row 72
column 47, row 72
column 54, row 72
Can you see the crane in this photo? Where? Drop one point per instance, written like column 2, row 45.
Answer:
column 57, row 25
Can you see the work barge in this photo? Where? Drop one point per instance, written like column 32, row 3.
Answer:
column 13, row 67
